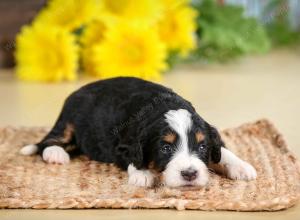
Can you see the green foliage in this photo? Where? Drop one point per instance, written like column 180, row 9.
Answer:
column 224, row 33
column 282, row 35
column 279, row 29
column 174, row 58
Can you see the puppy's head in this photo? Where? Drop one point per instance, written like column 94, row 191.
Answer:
column 184, row 148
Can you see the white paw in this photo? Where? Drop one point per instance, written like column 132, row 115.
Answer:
column 56, row 154
column 139, row 177
column 241, row 171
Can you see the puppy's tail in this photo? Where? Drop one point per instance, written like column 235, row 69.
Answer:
column 29, row 149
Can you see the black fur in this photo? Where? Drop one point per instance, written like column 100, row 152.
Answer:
column 121, row 121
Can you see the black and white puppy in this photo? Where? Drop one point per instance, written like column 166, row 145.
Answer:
column 136, row 125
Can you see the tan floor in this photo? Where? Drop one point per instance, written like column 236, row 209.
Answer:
column 266, row 86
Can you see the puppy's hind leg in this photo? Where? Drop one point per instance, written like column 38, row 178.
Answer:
column 53, row 147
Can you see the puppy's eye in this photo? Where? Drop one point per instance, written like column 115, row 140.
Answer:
column 166, row 149
column 202, row 147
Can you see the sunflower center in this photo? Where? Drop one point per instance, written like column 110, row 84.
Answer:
column 53, row 59
column 133, row 51
column 173, row 25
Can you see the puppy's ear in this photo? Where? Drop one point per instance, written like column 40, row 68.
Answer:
column 129, row 154
column 215, row 143
column 133, row 151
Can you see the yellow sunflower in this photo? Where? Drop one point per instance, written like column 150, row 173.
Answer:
column 69, row 14
column 46, row 53
column 177, row 27
column 130, row 50
column 146, row 11
column 174, row 4
column 93, row 34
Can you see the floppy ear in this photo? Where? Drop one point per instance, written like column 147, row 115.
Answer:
column 135, row 148
column 215, row 143
column 129, row 154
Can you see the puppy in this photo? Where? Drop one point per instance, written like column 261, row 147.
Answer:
column 136, row 125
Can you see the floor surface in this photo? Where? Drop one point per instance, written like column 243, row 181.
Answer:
column 257, row 87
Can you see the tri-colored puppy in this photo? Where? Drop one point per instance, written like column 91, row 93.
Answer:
column 134, row 123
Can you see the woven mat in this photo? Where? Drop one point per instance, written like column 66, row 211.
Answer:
column 27, row 182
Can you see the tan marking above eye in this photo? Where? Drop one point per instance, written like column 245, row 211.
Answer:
column 170, row 138
column 199, row 136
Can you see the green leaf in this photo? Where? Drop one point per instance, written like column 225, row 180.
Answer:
column 224, row 33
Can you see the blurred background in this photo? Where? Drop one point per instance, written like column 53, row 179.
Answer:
column 236, row 60
column 203, row 31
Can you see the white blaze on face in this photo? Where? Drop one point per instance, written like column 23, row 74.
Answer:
column 180, row 121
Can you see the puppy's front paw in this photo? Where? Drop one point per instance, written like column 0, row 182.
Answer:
column 139, row 177
column 241, row 171
column 56, row 154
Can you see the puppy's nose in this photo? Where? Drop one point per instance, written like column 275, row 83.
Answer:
column 189, row 174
